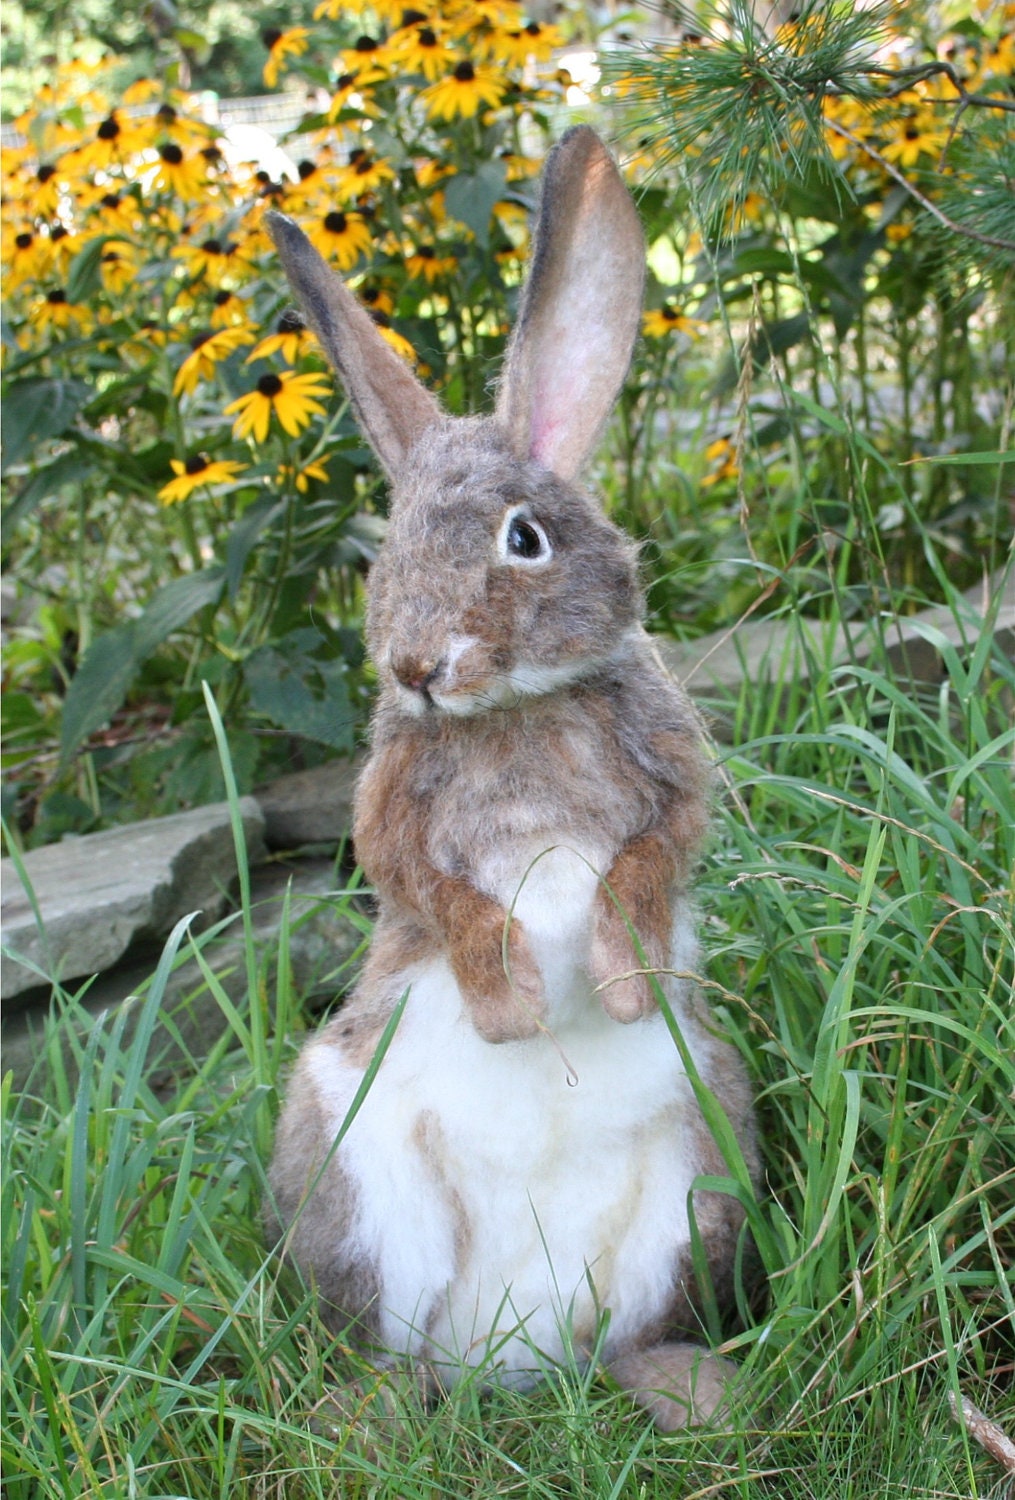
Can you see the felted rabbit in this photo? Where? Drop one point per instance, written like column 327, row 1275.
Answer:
column 536, row 789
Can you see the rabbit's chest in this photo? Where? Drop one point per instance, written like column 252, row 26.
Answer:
column 509, row 1194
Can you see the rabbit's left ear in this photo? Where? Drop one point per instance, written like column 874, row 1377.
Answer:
column 580, row 311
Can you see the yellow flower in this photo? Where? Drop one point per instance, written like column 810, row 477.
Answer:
column 462, row 92
column 280, row 45
column 391, row 336
column 288, row 474
column 665, row 320
column 116, row 139
column 186, row 176
column 45, row 201
column 514, row 48
column 419, row 48
column 290, row 397
column 26, row 258
column 723, row 454
column 197, row 471
column 918, row 136
column 206, row 350
column 364, row 173
column 228, row 310
column 424, row 261
column 119, row 266
column 54, row 311
column 292, row 339
column 367, row 59
column 341, row 237
column 211, row 257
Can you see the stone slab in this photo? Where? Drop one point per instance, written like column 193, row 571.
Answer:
column 322, row 940
column 100, row 893
column 713, row 667
column 309, row 807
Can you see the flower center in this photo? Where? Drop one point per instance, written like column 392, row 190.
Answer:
column 166, row 113
column 365, row 44
column 109, row 129
column 426, row 38
column 45, row 172
column 110, row 200
column 57, row 297
column 464, row 73
column 171, row 154
column 199, row 339
column 270, row 386
column 222, row 297
column 336, row 222
column 24, row 240
column 197, row 464
column 270, row 37
column 211, row 247
column 306, row 169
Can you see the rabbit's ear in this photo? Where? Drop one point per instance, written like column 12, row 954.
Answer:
column 580, row 310
column 391, row 406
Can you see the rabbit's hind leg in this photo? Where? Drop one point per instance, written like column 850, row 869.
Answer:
column 679, row 1385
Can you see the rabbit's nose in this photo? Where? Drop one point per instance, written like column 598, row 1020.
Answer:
column 414, row 672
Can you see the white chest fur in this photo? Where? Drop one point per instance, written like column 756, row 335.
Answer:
column 508, row 1192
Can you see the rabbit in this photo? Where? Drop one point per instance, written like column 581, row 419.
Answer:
column 536, row 790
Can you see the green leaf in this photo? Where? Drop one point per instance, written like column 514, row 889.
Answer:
column 84, row 278
column 302, row 695
column 243, row 536
column 111, row 663
column 175, row 603
column 69, row 468
column 37, row 409
column 470, row 197
column 1007, row 457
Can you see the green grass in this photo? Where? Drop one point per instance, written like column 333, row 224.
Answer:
column 858, row 914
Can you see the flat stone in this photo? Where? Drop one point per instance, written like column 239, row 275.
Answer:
column 102, row 892
column 322, row 942
column 713, row 667
column 309, row 807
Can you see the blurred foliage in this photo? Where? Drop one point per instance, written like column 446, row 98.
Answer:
column 188, row 500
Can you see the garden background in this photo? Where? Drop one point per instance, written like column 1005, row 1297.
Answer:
column 816, row 429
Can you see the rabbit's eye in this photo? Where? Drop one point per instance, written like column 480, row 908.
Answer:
column 524, row 539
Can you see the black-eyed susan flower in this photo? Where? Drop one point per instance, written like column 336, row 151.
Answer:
column 291, row 398
column 514, row 48
column 364, row 173
column 26, row 258
column 118, row 266
column 186, row 176
column 424, row 261
column 116, row 138
column 722, row 456
column 197, row 472
column 461, row 92
column 208, row 257
column 282, row 45
column 376, row 299
column 54, row 311
column 228, row 309
column 341, row 237
column 46, row 191
column 206, row 351
column 350, row 93
column 368, row 60
column 419, row 46
column 292, row 339
column 919, row 134
column 288, row 475
column 662, row 321
column 391, row 336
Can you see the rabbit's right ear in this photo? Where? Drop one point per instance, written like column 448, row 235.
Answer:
column 391, row 406
column 580, row 310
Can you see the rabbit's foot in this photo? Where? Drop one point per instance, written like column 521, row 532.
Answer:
column 504, row 1006
column 679, row 1385
column 615, row 969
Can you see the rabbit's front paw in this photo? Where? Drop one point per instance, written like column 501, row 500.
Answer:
column 615, row 968
column 503, row 1008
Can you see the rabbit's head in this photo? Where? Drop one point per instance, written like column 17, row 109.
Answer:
column 499, row 579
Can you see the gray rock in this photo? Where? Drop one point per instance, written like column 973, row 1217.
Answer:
column 322, row 943
column 765, row 651
column 100, row 893
column 309, row 807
